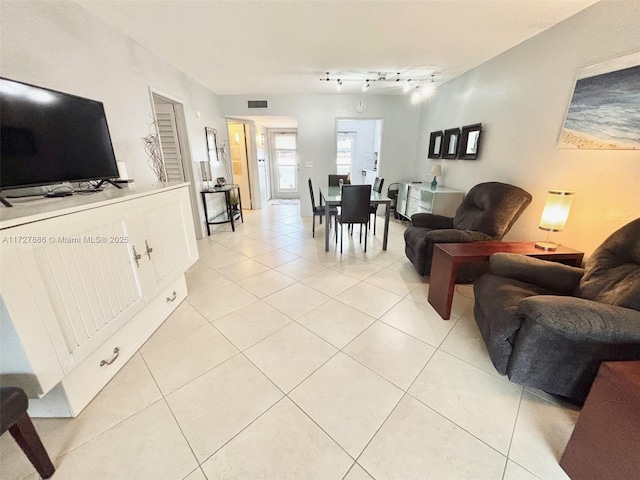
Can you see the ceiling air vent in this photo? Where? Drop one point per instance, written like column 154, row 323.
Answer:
column 257, row 104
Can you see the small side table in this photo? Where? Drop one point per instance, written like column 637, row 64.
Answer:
column 448, row 256
column 605, row 442
column 229, row 215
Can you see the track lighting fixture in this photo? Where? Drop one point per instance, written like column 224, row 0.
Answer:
column 422, row 80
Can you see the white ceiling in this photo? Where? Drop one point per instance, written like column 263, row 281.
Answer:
column 284, row 47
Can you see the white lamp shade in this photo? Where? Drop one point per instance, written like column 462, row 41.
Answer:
column 556, row 210
column 436, row 171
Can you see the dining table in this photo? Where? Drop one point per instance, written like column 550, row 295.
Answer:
column 331, row 197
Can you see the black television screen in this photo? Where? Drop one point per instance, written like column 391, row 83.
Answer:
column 51, row 137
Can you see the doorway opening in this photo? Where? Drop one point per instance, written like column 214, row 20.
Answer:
column 261, row 169
column 240, row 155
column 168, row 113
column 284, row 156
column 358, row 147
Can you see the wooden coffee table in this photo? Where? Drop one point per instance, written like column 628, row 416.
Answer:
column 448, row 256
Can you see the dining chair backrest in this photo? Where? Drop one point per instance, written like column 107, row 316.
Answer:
column 355, row 203
column 377, row 184
column 313, row 198
column 334, row 180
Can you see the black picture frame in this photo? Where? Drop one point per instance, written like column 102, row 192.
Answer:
column 435, row 144
column 212, row 143
column 470, row 141
column 451, row 143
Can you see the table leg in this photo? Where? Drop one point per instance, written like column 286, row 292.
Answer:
column 227, row 197
column 240, row 206
column 386, row 226
column 442, row 282
column 206, row 214
column 326, row 226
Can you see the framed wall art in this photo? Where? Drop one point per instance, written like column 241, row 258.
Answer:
column 450, row 143
column 435, row 144
column 604, row 113
column 470, row 141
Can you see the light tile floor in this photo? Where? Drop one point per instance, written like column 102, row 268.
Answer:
column 286, row 362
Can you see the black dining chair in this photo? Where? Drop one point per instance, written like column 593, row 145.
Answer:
column 318, row 211
column 373, row 209
column 14, row 417
column 392, row 193
column 334, row 180
column 354, row 208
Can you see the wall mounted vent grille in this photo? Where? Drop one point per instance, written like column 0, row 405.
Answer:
column 257, row 104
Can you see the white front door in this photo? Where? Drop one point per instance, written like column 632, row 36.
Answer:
column 285, row 163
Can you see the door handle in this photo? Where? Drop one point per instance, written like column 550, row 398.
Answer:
column 149, row 249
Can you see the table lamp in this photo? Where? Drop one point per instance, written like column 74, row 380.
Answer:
column 554, row 216
column 436, row 171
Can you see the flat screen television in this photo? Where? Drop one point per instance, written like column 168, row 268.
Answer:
column 49, row 137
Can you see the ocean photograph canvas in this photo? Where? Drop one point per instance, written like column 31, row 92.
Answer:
column 605, row 108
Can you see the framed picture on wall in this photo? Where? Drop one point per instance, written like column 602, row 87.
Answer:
column 604, row 109
column 212, row 143
column 450, row 143
column 470, row 141
column 435, row 144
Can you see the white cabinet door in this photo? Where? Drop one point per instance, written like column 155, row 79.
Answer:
column 167, row 242
column 78, row 276
column 401, row 202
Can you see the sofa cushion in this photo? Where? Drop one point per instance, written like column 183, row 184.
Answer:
column 612, row 273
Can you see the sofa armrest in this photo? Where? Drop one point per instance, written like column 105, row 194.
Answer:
column 456, row 236
column 428, row 220
column 552, row 275
column 583, row 320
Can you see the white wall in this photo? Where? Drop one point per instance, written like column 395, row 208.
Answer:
column 521, row 98
column 317, row 116
column 62, row 46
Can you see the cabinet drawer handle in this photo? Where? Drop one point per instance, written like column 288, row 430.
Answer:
column 173, row 296
column 149, row 249
column 116, row 352
column 136, row 257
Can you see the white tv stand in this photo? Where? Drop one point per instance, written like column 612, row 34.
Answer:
column 85, row 281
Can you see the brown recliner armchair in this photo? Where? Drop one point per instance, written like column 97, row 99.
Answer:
column 550, row 326
column 487, row 213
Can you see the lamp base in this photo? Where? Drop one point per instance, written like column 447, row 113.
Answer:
column 547, row 245
column 434, row 184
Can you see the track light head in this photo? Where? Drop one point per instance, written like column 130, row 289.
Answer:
column 415, row 96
